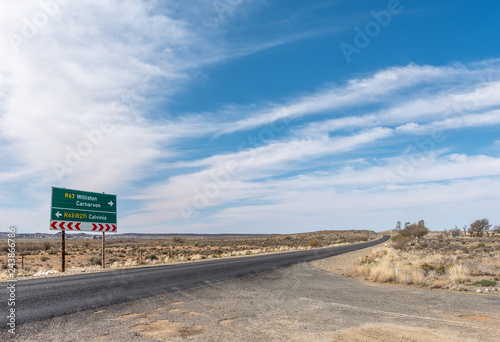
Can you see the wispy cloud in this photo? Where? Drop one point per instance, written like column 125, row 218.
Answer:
column 85, row 89
column 302, row 165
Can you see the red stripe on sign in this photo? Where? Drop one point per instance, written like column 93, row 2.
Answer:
column 114, row 228
column 62, row 225
column 107, row 227
column 53, row 225
column 94, row 225
column 77, row 226
column 69, row 225
column 101, row 227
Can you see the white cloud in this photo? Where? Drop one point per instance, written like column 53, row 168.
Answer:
column 368, row 90
column 92, row 63
column 472, row 120
column 76, row 93
column 426, row 107
column 259, row 174
column 66, row 80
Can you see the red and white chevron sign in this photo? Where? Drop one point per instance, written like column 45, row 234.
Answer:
column 79, row 226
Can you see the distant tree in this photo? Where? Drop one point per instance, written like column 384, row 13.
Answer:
column 398, row 226
column 178, row 239
column 421, row 231
column 465, row 228
column 495, row 230
column 479, row 227
column 407, row 224
column 415, row 230
column 455, row 232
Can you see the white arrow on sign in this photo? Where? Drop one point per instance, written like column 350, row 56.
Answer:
column 110, row 203
column 58, row 214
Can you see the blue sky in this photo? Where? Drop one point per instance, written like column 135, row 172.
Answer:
column 252, row 116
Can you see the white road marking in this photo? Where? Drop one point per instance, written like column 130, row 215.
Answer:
column 396, row 314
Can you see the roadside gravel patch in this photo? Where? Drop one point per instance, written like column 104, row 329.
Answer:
column 343, row 264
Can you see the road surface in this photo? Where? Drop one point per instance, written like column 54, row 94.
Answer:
column 40, row 299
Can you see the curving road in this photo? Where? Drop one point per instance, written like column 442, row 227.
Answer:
column 39, row 299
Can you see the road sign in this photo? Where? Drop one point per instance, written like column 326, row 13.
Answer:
column 76, row 210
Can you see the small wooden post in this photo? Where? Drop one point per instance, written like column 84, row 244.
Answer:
column 103, row 260
column 63, row 251
column 22, row 261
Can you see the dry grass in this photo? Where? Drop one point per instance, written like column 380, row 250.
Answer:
column 458, row 273
column 434, row 263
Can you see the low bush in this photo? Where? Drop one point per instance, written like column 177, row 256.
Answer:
column 313, row 243
column 178, row 239
column 485, row 283
column 95, row 261
column 400, row 242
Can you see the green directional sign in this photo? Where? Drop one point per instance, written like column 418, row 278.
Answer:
column 82, row 210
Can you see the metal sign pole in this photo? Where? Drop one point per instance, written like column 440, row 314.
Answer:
column 103, row 260
column 63, row 251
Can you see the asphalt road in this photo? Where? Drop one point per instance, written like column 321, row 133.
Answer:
column 40, row 299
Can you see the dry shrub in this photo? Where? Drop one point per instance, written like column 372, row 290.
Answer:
column 313, row 243
column 383, row 271
column 458, row 273
column 383, row 262
column 130, row 263
column 363, row 270
column 400, row 242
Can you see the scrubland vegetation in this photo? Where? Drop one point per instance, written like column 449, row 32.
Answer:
column 437, row 260
column 84, row 254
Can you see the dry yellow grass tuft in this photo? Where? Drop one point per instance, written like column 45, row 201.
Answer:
column 458, row 273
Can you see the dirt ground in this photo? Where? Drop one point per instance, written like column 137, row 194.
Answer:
column 343, row 264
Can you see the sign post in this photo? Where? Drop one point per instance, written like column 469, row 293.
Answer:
column 102, row 258
column 63, row 251
column 75, row 210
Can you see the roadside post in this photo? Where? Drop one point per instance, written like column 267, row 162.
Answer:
column 63, row 251
column 76, row 210
column 103, row 262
